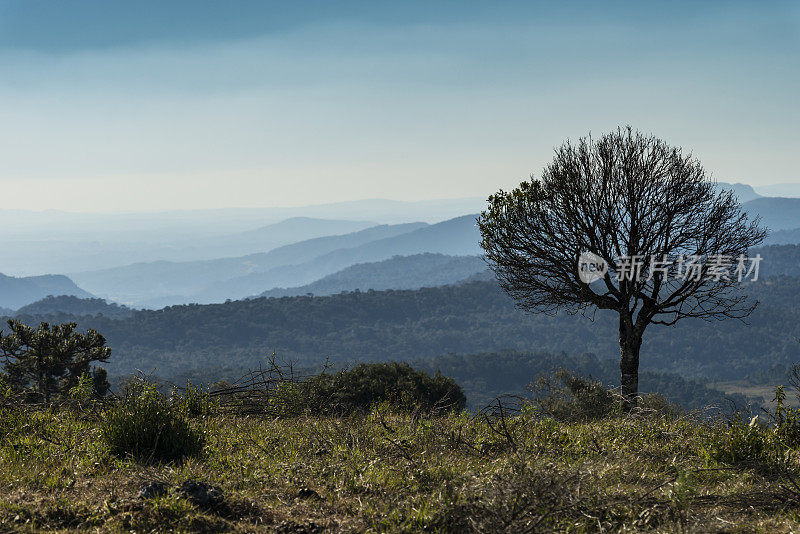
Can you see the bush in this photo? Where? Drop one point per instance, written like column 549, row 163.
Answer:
column 289, row 398
column 565, row 396
column 787, row 421
column 143, row 424
column 754, row 442
column 369, row 384
column 739, row 444
column 195, row 401
column 653, row 402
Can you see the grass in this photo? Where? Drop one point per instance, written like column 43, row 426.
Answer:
column 763, row 393
column 385, row 471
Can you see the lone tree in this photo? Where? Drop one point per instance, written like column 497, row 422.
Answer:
column 624, row 223
column 52, row 359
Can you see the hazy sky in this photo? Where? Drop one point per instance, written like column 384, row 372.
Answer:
column 109, row 105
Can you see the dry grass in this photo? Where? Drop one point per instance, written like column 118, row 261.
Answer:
column 389, row 472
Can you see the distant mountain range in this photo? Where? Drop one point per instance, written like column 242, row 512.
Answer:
column 38, row 242
column 17, row 292
column 399, row 272
column 776, row 213
column 456, row 237
column 157, row 284
column 783, row 237
column 293, row 253
column 77, row 253
column 779, row 190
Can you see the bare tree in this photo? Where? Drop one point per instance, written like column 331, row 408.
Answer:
column 665, row 241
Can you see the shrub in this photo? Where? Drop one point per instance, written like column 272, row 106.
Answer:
column 739, row 444
column 787, row 421
column 756, row 442
column 195, row 401
column 289, row 398
column 565, row 396
column 369, row 384
column 659, row 404
column 143, row 424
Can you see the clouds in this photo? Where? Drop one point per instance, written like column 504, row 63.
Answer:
column 344, row 108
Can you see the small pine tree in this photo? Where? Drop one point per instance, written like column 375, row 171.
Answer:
column 51, row 359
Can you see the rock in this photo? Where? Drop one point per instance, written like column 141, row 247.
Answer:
column 201, row 494
column 153, row 489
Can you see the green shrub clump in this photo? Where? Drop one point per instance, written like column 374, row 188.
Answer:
column 369, row 384
column 758, row 443
column 145, row 425
column 566, row 396
column 195, row 401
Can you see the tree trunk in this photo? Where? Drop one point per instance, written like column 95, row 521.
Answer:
column 629, row 344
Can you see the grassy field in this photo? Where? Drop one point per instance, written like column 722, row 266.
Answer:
column 762, row 392
column 386, row 471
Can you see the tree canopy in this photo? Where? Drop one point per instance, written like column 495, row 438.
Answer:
column 665, row 241
column 51, row 359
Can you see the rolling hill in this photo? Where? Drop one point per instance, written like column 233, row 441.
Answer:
column 17, row 292
column 75, row 306
column 399, row 272
column 744, row 192
column 776, row 213
column 783, row 237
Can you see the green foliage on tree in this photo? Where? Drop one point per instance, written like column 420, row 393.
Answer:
column 50, row 360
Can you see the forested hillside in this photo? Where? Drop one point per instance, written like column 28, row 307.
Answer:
column 429, row 322
column 779, row 260
column 71, row 305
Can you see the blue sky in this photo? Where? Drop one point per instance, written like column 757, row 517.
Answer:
column 145, row 105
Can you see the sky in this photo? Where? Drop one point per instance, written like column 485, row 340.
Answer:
column 153, row 105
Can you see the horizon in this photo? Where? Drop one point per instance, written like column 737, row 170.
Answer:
column 155, row 211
